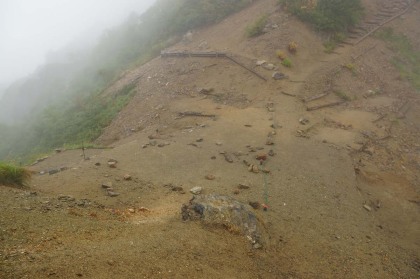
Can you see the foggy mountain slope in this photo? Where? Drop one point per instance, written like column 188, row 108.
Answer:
column 331, row 150
column 60, row 98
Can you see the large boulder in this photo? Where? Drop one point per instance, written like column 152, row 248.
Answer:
column 225, row 212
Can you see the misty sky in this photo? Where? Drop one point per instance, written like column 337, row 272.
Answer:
column 29, row 29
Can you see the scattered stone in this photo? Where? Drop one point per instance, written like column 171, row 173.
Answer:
column 268, row 66
column 238, row 153
column 367, row 207
column 257, row 246
column 236, row 192
column 271, row 153
column 369, row 150
column 243, row 186
column 113, row 194
column 66, row 198
column 127, row 177
column 228, row 158
column 224, row 212
column 42, row 172
column 255, row 205
column 261, row 62
column 199, row 140
column 269, row 141
column 210, row 177
column 163, row 144
column 213, row 157
column 205, row 91
column 246, row 163
column 254, row 168
column 219, row 143
column 154, row 136
column 145, row 145
column 152, row 143
column 144, row 209
column 303, row 121
column 112, row 165
column 261, row 157
column 106, row 185
column 131, row 210
column 117, row 179
column 82, row 203
column 58, row 150
column 54, row 171
column 178, row 189
column 63, row 168
column 196, row 190
column 248, row 125
column 278, row 76
column 97, row 164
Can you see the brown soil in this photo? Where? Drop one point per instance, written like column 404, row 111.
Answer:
column 343, row 189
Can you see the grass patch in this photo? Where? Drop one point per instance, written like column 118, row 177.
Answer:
column 342, row 95
column 256, row 28
column 407, row 59
column 84, row 145
column 286, row 62
column 11, row 175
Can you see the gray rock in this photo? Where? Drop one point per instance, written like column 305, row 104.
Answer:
column 303, row 121
column 196, row 190
column 268, row 66
column 53, row 171
column 278, row 76
column 113, row 194
column 66, row 198
column 112, row 164
column 261, row 62
column 367, row 207
column 225, row 212
column 107, row 185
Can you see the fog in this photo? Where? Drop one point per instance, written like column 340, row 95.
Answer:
column 29, row 29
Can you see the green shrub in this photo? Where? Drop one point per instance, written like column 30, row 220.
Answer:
column 406, row 59
column 286, row 62
column 327, row 15
column 11, row 175
column 256, row 28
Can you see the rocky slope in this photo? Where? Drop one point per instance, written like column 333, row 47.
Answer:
column 340, row 182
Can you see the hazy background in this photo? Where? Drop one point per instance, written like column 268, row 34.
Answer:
column 30, row 29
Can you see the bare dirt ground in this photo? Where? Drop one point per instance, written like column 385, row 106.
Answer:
column 343, row 188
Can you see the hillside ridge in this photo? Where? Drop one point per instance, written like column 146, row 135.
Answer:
column 331, row 151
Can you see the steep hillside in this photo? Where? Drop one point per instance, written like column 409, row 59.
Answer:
column 332, row 151
column 61, row 104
